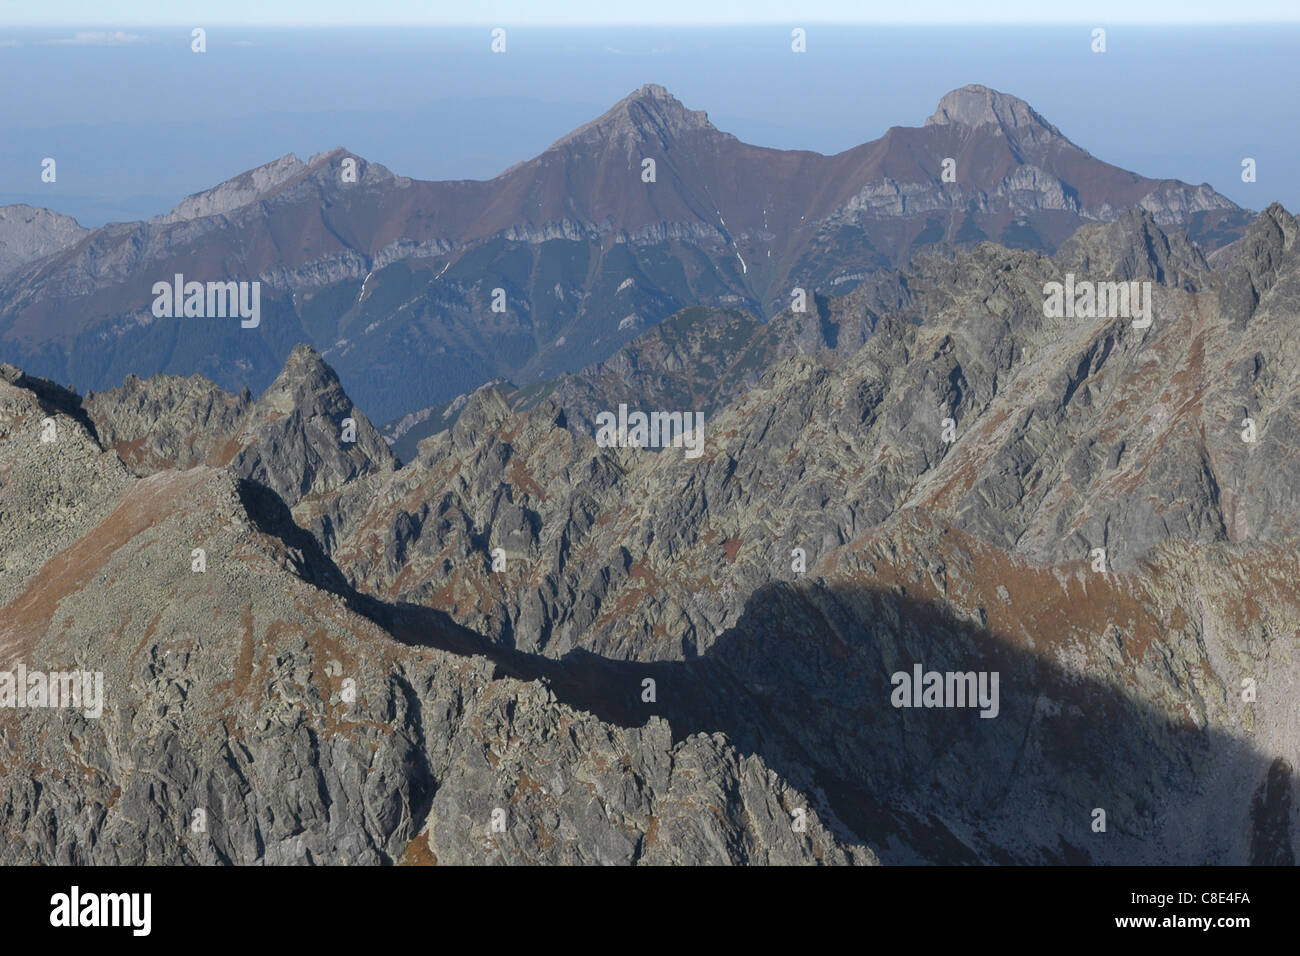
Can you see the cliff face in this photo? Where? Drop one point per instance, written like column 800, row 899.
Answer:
column 524, row 646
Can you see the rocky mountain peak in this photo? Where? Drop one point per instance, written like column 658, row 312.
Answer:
column 297, row 439
column 650, row 112
column 486, row 408
column 327, row 168
column 304, row 357
column 247, row 187
column 1269, row 248
column 976, row 106
column 304, row 372
column 1277, row 222
column 28, row 233
column 1135, row 247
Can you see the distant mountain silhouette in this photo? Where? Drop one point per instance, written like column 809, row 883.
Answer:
column 392, row 279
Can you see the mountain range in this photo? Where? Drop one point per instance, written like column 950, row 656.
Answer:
column 515, row 644
column 395, row 280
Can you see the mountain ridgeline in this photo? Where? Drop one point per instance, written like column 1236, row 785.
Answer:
column 417, row 292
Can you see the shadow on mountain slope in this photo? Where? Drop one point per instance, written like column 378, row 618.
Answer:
column 51, row 396
column 803, row 680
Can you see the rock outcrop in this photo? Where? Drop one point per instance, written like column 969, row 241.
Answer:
column 28, row 234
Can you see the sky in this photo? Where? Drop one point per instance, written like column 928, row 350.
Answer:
column 568, row 12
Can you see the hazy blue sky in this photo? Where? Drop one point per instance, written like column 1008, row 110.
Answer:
column 506, row 12
column 136, row 121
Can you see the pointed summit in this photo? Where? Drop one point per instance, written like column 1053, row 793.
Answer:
column 296, row 440
column 648, row 113
column 1135, row 247
column 306, row 383
column 1267, row 253
column 976, row 106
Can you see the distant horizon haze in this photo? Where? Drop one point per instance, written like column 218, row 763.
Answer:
column 663, row 12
